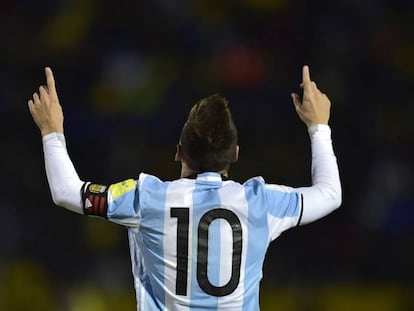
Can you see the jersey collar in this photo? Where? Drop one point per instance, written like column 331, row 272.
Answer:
column 208, row 176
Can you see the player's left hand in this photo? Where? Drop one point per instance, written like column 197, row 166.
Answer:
column 45, row 107
column 314, row 107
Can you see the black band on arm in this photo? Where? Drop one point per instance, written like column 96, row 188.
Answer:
column 95, row 200
column 301, row 209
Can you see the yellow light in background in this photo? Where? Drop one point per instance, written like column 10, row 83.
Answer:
column 25, row 286
column 337, row 297
column 69, row 27
column 102, row 235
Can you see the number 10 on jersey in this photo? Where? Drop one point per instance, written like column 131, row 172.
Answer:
column 183, row 219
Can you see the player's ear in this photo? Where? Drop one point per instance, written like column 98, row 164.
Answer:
column 236, row 154
column 179, row 153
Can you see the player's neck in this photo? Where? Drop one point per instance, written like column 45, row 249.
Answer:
column 187, row 171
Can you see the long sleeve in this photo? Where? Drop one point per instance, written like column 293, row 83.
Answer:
column 325, row 194
column 64, row 183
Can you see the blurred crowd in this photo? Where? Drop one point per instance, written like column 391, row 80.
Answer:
column 127, row 73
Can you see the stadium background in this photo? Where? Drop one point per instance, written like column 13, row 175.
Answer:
column 127, row 73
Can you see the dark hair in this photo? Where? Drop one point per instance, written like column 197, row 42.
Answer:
column 209, row 137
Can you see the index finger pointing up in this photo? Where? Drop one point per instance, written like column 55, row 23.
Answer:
column 305, row 74
column 50, row 80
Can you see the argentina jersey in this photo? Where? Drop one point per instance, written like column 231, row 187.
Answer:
column 197, row 243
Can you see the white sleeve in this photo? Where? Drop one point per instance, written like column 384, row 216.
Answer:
column 64, row 183
column 325, row 194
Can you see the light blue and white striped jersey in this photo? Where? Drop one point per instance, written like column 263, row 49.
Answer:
column 198, row 243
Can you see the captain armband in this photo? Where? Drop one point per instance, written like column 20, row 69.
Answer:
column 95, row 199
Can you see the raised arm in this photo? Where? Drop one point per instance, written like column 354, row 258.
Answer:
column 325, row 194
column 65, row 185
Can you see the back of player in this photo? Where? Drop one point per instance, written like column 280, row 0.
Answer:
column 198, row 243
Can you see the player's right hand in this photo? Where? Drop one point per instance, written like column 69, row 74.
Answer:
column 45, row 108
column 314, row 107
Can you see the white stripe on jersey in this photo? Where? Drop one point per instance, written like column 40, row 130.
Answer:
column 233, row 197
column 226, row 253
column 179, row 195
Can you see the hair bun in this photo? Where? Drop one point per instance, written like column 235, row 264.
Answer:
column 210, row 119
column 209, row 136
